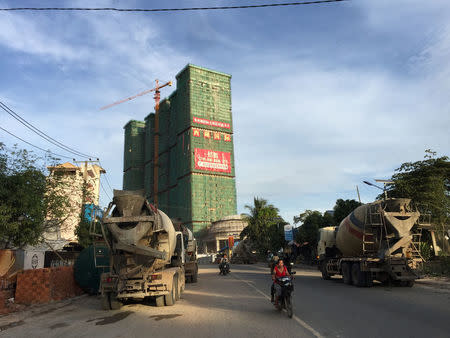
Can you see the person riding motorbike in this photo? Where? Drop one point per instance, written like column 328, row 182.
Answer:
column 279, row 271
column 223, row 261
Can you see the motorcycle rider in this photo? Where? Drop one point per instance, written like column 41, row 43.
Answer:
column 279, row 271
column 223, row 261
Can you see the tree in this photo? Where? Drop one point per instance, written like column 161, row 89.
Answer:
column 264, row 226
column 427, row 183
column 343, row 208
column 311, row 221
column 25, row 201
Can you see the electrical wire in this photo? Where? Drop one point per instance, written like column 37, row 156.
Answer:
column 21, row 139
column 284, row 4
column 106, row 177
column 104, row 190
column 41, row 133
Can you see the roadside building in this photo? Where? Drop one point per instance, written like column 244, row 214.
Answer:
column 81, row 185
column 219, row 232
column 191, row 141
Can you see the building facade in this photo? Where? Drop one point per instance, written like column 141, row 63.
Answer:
column 81, row 185
column 194, row 179
column 221, row 230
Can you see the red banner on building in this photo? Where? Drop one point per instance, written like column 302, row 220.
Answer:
column 211, row 123
column 212, row 160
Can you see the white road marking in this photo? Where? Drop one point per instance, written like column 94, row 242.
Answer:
column 297, row 319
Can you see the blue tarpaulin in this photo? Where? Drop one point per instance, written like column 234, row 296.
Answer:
column 92, row 212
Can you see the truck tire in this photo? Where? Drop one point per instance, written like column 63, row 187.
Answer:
column 358, row 277
column 323, row 269
column 177, row 290
column 369, row 279
column 194, row 276
column 113, row 302
column 347, row 273
column 169, row 299
column 159, row 300
column 105, row 302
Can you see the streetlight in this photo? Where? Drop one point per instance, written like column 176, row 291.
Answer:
column 384, row 185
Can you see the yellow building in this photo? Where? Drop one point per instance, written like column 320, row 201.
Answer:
column 81, row 185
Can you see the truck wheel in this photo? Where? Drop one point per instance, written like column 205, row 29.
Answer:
column 113, row 302
column 177, row 289
column 105, row 302
column 194, row 277
column 369, row 279
column 407, row 283
column 159, row 300
column 346, row 273
column 170, row 297
column 357, row 275
column 323, row 269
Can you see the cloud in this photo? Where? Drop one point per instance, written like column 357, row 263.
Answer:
column 317, row 107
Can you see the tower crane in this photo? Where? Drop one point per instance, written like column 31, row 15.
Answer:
column 157, row 98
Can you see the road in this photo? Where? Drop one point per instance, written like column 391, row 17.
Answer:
column 237, row 305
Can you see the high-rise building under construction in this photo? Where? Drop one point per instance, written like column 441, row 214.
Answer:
column 195, row 159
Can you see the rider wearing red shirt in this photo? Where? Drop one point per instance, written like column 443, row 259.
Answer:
column 279, row 271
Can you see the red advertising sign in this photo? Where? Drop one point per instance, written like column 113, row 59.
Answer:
column 212, row 160
column 210, row 123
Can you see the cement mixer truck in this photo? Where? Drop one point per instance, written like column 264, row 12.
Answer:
column 146, row 253
column 377, row 241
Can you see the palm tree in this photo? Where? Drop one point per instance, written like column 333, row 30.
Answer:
column 263, row 220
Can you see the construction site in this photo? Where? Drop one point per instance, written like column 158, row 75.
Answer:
column 182, row 154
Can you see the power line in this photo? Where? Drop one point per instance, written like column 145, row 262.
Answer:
column 40, row 132
column 167, row 9
column 106, row 177
column 47, row 151
column 104, row 190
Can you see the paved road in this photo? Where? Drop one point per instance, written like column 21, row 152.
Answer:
column 237, row 305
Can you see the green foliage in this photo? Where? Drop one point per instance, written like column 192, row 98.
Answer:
column 25, row 200
column 343, row 208
column 426, row 251
column 312, row 221
column 427, row 183
column 82, row 231
column 265, row 226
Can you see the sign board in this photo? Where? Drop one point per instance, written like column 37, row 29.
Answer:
column 288, row 232
column 210, row 123
column 30, row 259
column 212, row 160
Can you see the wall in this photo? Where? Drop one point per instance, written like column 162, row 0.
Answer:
column 45, row 285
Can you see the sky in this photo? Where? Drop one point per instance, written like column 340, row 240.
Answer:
column 323, row 96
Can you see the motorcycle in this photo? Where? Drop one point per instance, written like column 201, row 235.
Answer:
column 285, row 299
column 224, row 268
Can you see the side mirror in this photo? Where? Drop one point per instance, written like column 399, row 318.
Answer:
column 293, row 272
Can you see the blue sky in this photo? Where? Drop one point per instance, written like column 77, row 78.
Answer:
column 323, row 96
